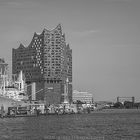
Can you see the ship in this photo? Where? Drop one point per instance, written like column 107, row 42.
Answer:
column 12, row 92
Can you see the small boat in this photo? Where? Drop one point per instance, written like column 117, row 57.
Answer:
column 20, row 112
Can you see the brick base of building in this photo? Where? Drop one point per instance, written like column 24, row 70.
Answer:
column 50, row 93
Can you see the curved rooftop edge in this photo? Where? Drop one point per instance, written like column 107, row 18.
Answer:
column 21, row 46
column 57, row 27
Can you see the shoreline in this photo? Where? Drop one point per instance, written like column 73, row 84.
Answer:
column 117, row 111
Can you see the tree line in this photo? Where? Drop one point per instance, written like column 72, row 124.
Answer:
column 127, row 105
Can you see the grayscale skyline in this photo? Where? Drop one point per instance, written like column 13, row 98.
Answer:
column 104, row 36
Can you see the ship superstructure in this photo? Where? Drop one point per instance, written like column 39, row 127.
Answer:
column 12, row 88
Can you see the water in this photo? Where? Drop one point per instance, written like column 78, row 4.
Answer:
column 102, row 125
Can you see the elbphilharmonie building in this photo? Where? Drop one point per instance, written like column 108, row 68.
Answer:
column 46, row 61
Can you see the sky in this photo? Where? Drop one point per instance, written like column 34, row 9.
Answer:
column 104, row 36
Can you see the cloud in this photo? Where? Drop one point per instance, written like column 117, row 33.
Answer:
column 11, row 3
column 84, row 33
column 117, row 0
column 14, row 3
column 19, row 3
column 90, row 31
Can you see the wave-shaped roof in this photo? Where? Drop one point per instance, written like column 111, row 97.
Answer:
column 58, row 27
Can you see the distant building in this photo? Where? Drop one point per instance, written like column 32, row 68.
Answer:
column 82, row 96
column 47, row 61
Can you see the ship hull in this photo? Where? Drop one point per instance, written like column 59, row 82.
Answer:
column 7, row 102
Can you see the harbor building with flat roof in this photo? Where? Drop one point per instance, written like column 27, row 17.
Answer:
column 47, row 62
column 84, row 97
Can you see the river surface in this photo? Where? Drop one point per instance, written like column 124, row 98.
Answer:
column 101, row 125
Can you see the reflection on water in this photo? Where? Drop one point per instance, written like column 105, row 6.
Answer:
column 99, row 126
